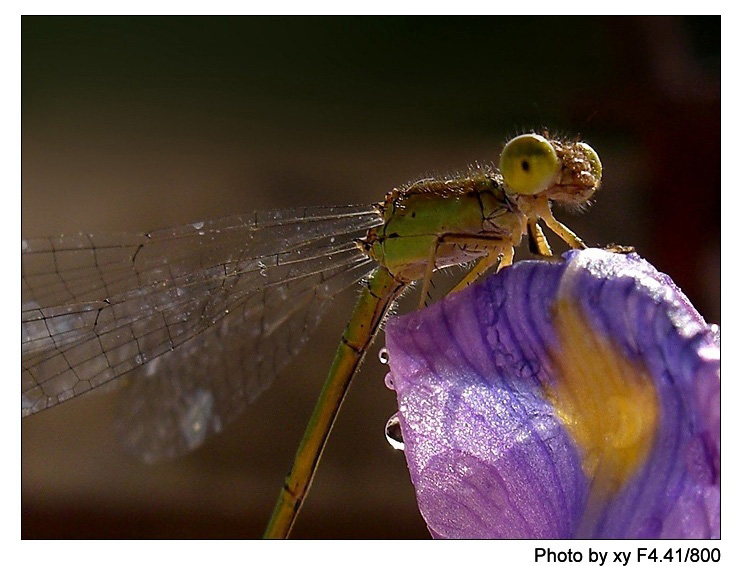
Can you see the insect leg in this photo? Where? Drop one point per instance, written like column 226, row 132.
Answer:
column 428, row 273
column 499, row 252
column 572, row 240
column 507, row 258
column 537, row 242
column 493, row 257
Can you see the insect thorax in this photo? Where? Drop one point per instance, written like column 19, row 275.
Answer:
column 419, row 218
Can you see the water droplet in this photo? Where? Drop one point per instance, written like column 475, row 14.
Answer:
column 393, row 432
column 261, row 267
column 332, row 240
column 138, row 359
column 384, row 356
column 389, row 381
column 198, row 225
column 24, row 245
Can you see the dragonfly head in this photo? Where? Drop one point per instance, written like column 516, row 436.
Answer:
column 563, row 171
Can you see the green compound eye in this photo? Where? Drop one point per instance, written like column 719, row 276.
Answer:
column 592, row 156
column 529, row 164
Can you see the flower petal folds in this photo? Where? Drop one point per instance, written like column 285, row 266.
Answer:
column 562, row 399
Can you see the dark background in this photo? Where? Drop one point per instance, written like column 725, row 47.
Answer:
column 130, row 124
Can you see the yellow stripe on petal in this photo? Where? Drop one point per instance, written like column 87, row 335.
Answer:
column 607, row 402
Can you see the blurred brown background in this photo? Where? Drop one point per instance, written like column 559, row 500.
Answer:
column 130, row 124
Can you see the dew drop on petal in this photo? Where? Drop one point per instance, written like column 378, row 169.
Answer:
column 393, row 432
column 384, row 356
column 389, row 381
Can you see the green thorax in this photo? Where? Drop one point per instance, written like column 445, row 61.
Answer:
column 418, row 217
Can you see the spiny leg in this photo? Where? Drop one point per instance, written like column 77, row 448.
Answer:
column 498, row 250
column 428, row 274
column 495, row 256
column 502, row 256
column 537, row 242
column 499, row 253
column 558, row 228
column 484, row 241
column 507, row 258
column 619, row 249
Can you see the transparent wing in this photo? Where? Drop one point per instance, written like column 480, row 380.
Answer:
column 172, row 405
column 98, row 307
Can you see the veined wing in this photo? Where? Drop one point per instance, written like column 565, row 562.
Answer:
column 99, row 307
column 172, row 405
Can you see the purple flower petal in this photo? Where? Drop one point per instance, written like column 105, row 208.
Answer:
column 555, row 400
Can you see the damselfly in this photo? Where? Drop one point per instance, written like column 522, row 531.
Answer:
column 159, row 312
